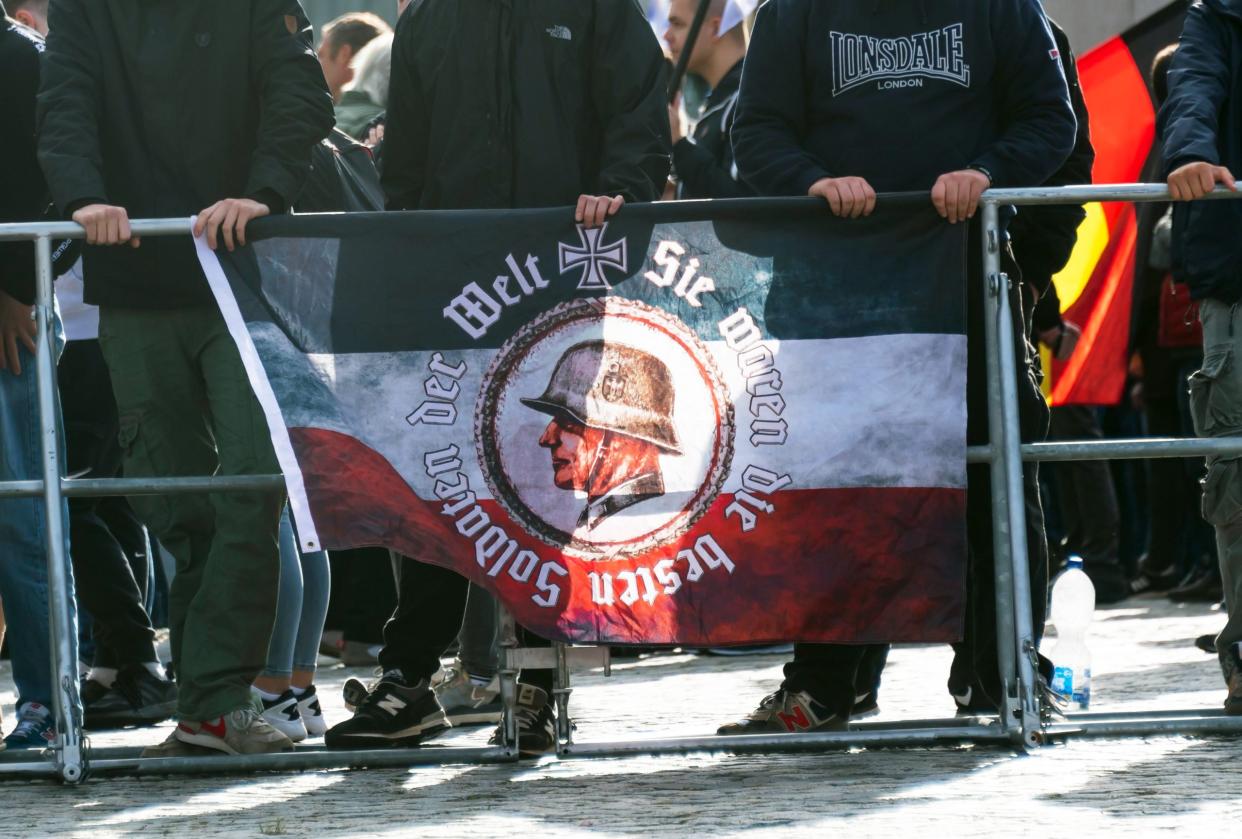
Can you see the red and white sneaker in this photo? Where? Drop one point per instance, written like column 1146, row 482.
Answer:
column 787, row 712
column 241, row 732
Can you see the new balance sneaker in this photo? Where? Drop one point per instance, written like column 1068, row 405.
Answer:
column 35, row 728
column 535, row 722
column 392, row 715
column 787, row 712
column 354, row 693
column 866, row 705
column 241, row 732
column 312, row 713
column 282, row 714
column 137, row 698
column 466, row 703
column 172, row 747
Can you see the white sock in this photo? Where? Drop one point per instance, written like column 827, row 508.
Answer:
column 299, row 692
column 106, row 676
column 269, row 697
column 156, row 670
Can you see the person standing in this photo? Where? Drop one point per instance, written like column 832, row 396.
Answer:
column 703, row 164
column 1203, row 148
column 493, row 106
column 23, row 521
column 841, row 100
column 168, row 109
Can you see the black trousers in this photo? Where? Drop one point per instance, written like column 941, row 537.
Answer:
column 109, row 545
column 431, row 605
column 363, row 593
column 1088, row 498
column 837, row 674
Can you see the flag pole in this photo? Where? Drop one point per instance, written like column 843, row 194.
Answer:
column 692, row 37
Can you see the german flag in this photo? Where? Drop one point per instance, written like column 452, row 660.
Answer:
column 1096, row 287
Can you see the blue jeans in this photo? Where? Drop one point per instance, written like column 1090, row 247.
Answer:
column 301, row 607
column 23, row 537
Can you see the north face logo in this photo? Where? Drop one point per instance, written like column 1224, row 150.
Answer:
column 560, row 32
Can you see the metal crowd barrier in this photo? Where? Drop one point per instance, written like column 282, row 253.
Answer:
column 1020, row 722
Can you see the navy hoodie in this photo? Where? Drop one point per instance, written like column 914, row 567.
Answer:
column 900, row 92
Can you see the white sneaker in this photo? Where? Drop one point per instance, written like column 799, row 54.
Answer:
column 282, row 714
column 241, row 732
column 312, row 714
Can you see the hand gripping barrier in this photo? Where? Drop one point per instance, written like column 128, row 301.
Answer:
column 1021, row 721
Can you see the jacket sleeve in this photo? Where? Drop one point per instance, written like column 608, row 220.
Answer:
column 67, row 113
column 628, row 84
column 1044, row 237
column 1039, row 125
column 1198, row 87
column 407, row 123
column 24, row 196
column 295, row 107
column 771, row 108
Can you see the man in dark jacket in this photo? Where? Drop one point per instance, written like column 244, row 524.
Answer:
column 23, row 549
column 840, row 100
column 1201, row 123
column 703, row 165
column 164, row 109
column 498, row 105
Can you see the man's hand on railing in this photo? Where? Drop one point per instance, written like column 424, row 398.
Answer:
column 106, row 225
column 847, row 197
column 594, row 210
column 16, row 324
column 229, row 217
column 956, row 194
column 1195, row 180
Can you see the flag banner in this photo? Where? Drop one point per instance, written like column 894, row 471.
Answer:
column 704, row 423
column 1097, row 286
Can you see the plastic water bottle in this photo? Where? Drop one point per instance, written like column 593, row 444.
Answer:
column 1073, row 605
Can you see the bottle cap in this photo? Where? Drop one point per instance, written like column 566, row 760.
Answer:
column 1074, row 562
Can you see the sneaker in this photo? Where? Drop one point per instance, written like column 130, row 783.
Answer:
column 536, row 726
column 787, row 712
column 240, row 732
column 35, row 728
column 1233, row 702
column 867, row 705
column 172, row 747
column 138, row 697
column 467, row 703
column 393, row 715
column 312, row 713
column 282, row 714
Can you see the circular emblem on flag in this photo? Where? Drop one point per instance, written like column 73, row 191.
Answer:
column 604, row 428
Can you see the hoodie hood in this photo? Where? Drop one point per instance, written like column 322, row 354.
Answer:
column 1232, row 8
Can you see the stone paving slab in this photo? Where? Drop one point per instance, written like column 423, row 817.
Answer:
column 1143, row 660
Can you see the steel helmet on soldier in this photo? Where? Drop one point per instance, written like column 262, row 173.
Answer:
column 613, row 387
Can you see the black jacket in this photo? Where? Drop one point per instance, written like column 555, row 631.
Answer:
column 166, row 107
column 23, row 196
column 498, row 104
column 900, row 92
column 704, row 164
column 1202, row 120
column 1043, row 238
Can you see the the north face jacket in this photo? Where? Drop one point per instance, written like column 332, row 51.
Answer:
column 900, row 92
column 166, row 106
column 497, row 104
column 1202, row 120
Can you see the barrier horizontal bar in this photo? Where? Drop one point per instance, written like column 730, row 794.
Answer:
column 30, row 230
column 1131, row 193
column 103, row 487
column 1146, row 726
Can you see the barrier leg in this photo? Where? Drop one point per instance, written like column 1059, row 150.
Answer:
column 561, row 690
column 1002, row 541
column 64, row 663
column 508, row 681
column 1024, row 647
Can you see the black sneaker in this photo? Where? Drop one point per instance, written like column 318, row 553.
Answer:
column 787, row 712
column 393, row 715
column 137, row 698
column 867, row 705
column 536, row 723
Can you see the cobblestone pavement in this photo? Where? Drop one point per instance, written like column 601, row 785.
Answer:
column 1143, row 656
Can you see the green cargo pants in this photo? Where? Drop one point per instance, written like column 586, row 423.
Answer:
column 1216, row 408
column 186, row 409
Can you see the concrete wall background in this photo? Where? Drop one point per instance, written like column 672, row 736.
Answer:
column 1088, row 22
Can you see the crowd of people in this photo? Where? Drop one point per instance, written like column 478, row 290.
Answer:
column 128, row 109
